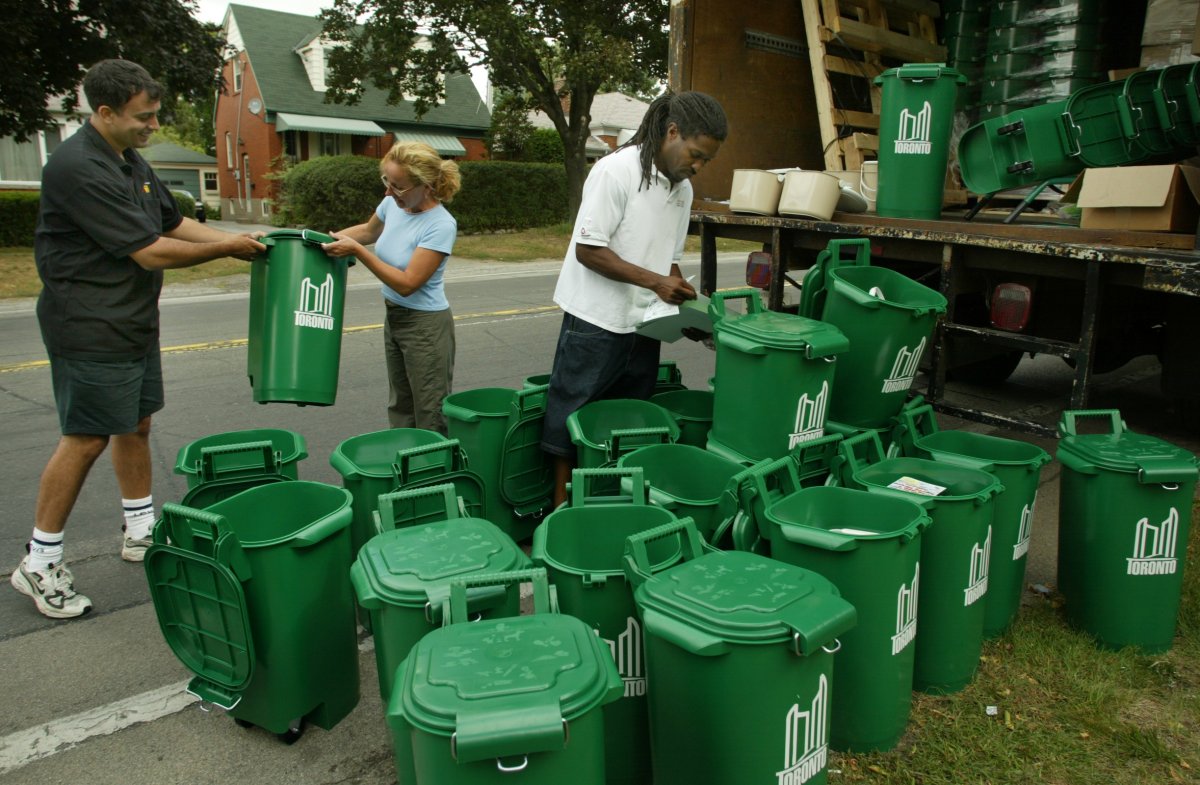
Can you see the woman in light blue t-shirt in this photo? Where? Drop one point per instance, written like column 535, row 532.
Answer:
column 413, row 235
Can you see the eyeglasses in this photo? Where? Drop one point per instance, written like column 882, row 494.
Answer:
column 390, row 186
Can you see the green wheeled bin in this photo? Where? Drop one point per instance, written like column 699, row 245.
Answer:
column 297, row 295
column 690, row 482
column 692, row 410
column 774, row 381
column 916, row 118
column 1018, row 149
column 500, row 430
column 402, row 575
column 582, row 547
column 869, row 546
column 604, row 430
column 1017, row 465
column 251, row 594
column 366, row 465
column 888, row 319
column 955, row 553
column 1124, row 516
column 503, row 700
column 224, row 464
column 739, row 657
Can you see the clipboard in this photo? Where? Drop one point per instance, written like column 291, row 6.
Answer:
column 665, row 322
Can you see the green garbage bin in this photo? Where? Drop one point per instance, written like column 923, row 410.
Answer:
column 297, row 294
column 692, row 410
column 501, row 430
column 739, row 656
column 869, row 546
column 402, row 576
column 775, row 375
column 916, row 118
column 955, row 553
column 604, row 430
column 224, row 464
column 888, row 319
column 503, row 700
column 1017, row 465
column 536, row 380
column 251, row 595
column 365, row 463
column 690, row 482
column 1124, row 515
column 582, row 546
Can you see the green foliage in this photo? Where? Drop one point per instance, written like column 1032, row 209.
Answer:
column 544, row 146
column 501, row 195
column 329, row 193
column 57, row 40
column 187, row 204
column 510, row 128
column 190, row 125
column 18, row 217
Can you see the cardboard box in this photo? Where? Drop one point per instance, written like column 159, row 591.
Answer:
column 1161, row 198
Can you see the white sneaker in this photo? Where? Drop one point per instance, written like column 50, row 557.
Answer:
column 134, row 549
column 52, row 590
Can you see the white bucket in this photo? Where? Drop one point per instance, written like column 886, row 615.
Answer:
column 868, row 184
column 810, row 195
column 755, row 191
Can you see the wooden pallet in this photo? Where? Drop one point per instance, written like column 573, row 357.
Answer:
column 851, row 42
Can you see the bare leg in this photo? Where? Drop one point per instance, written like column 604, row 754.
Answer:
column 562, row 474
column 131, row 461
column 63, row 477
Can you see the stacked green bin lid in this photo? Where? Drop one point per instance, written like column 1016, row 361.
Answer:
column 1174, row 101
column 786, row 331
column 1094, row 128
column 1018, row 149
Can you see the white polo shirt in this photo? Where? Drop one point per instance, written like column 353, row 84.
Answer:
column 645, row 227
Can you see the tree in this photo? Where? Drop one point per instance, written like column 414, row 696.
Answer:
column 558, row 54
column 57, row 40
column 510, row 129
column 191, row 126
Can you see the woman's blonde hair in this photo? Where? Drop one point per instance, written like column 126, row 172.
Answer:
column 423, row 164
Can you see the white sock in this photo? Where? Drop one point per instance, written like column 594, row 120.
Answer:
column 44, row 549
column 139, row 517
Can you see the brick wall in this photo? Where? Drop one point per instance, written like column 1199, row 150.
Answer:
column 248, row 135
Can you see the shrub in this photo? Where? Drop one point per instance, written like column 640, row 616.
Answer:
column 187, row 204
column 329, row 193
column 18, row 217
column 500, row 195
column 544, row 146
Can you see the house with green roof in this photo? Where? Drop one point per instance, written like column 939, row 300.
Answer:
column 184, row 170
column 273, row 110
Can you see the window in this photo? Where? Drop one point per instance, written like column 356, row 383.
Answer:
column 229, row 149
column 266, row 207
column 330, row 144
column 237, row 74
column 210, row 181
column 291, row 146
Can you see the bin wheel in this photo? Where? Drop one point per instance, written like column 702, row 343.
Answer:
column 241, row 723
column 293, row 733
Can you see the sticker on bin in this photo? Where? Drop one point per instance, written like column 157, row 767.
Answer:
column 919, row 487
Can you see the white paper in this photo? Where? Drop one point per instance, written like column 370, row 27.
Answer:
column 659, row 309
column 913, row 485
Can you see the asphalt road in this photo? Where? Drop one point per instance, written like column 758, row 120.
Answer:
column 100, row 700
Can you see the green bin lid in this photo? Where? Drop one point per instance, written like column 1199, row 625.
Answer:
column 414, row 565
column 506, row 686
column 1152, row 459
column 740, row 597
column 786, row 331
column 920, row 72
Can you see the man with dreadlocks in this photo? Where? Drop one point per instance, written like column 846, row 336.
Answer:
column 624, row 252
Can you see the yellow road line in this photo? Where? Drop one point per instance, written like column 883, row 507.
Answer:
column 235, row 342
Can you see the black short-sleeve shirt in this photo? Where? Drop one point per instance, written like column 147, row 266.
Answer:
column 96, row 209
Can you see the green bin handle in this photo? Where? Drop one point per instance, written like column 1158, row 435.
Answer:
column 1066, row 426
column 813, row 289
column 632, row 477
column 312, row 237
column 636, row 560
column 716, row 303
column 913, row 423
column 530, row 402
column 685, row 636
column 767, row 482
column 204, row 533
column 246, row 459
column 545, row 600
column 822, row 539
column 920, row 72
column 455, row 412
column 745, row 535
column 1165, row 470
column 389, row 502
column 210, row 692
column 640, row 437
column 855, row 453
column 815, row 458
column 669, row 373
column 325, row 527
column 451, row 455
column 368, row 598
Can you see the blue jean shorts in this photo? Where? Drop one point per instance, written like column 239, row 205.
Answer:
column 106, row 398
column 592, row 364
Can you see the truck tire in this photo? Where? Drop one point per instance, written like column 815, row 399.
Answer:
column 993, row 370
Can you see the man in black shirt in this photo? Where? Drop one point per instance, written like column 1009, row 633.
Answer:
column 107, row 228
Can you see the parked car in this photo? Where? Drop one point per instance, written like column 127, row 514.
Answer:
column 201, row 212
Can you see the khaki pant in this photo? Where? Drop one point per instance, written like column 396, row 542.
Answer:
column 419, row 348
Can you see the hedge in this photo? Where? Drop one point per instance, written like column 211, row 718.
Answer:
column 187, row 204
column 332, row 192
column 18, row 217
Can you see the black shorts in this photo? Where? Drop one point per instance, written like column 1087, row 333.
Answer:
column 106, row 398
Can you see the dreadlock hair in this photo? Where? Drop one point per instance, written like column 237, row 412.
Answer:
column 693, row 113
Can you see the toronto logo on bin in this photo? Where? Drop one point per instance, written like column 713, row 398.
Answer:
column 913, row 136
column 810, row 417
column 805, row 737
column 904, row 369
column 977, row 583
column 1022, row 545
column 1154, row 547
column 316, row 304
column 906, row 614
column 627, row 652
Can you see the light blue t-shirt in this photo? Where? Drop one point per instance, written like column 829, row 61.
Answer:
column 404, row 233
